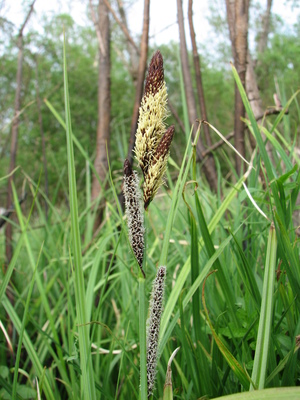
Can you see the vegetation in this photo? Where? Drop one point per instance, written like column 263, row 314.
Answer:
column 73, row 299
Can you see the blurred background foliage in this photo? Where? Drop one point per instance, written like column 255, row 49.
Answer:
column 277, row 69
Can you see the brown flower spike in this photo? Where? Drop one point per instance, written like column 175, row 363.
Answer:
column 152, row 140
column 134, row 213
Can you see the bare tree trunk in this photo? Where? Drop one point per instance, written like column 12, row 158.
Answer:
column 263, row 38
column 256, row 105
column 252, row 90
column 14, row 134
column 198, row 73
column 102, row 141
column 190, row 99
column 237, row 15
column 141, row 77
column 251, row 83
column 209, row 168
column 38, row 103
column 133, row 50
column 210, row 162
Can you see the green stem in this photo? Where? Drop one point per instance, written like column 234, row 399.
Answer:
column 142, row 333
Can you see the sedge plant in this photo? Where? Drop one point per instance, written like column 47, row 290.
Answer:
column 152, row 149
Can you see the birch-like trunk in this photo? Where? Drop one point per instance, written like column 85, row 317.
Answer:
column 102, row 140
column 237, row 16
column 208, row 166
column 14, row 135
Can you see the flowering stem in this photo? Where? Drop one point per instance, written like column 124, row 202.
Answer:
column 142, row 334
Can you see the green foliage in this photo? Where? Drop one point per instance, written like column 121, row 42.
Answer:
column 200, row 234
column 279, row 62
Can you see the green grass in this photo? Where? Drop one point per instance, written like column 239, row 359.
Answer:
column 76, row 315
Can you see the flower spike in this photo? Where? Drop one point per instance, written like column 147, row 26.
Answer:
column 153, row 113
column 157, row 169
column 134, row 213
column 152, row 145
column 153, row 325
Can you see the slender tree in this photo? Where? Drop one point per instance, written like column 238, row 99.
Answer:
column 209, row 168
column 196, row 59
column 237, row 16
column 263, row 37
column 131, row 46
column 15, row 132
column 200, row 91
column 251, row 81
column 38, row 103
column 104, row 104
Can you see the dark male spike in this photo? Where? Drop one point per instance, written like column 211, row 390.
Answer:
column 155, row 76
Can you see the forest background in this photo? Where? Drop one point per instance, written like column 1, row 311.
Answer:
column 107, row 57
column 273, row 46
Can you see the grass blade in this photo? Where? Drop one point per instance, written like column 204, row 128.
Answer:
column 266, row 315
column 267, row 394
column 87, row 377
column 25, row 315
column 233, row 363
column 30, row 348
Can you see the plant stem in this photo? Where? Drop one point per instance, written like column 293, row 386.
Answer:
column 142, row 334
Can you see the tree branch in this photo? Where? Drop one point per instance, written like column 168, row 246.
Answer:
column 26, row 19
column 96, row 25
column 122, row 26
column 270, row 111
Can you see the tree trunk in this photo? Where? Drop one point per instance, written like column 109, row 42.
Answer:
column 38, row 103
column 263, row 37
column 237, row 15
column 209, row 168
column 102, row 141
column 140, row 80
column 251, row 83
column 198, row 73
column 210, row 162
column 132, row 48
column 14, row 134
column 252, row 90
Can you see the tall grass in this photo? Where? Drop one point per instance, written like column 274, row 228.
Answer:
column 75, row 319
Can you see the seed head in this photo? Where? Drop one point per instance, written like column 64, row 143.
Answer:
column 152, row 113
column 157, row 169
column 153, row 325
column 152, row 145
column 134, row 212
